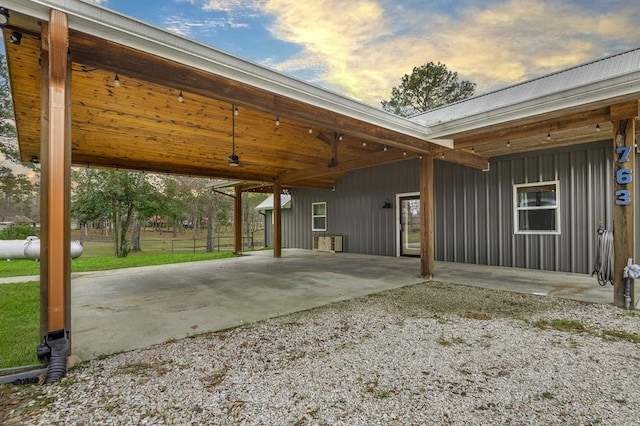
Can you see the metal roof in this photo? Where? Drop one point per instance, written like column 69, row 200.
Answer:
column 285, row 203
column 620, row 74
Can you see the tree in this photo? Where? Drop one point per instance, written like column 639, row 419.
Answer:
column 119, row 197
column 429, row 86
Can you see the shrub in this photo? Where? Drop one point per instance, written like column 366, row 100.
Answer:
column 19, row 231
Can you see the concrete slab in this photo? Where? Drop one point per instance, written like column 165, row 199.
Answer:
column 120, row 310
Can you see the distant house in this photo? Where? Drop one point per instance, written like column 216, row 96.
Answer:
column 11, row 220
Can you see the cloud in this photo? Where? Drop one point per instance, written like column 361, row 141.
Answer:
column 188, row 27
column 98, row 2
column 231, row 6
column 363, row 47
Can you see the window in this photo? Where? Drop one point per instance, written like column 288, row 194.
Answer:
column 319, row 216
column 536, row 208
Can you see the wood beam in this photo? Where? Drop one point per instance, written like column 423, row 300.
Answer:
column 427, row 223
column 58, row 160
column 625, row 110
column 375, row 159
column 465, row 158
column 541, row 128
column 624, row 218
column 237, row 221
column 100, row 53
column 277, row 219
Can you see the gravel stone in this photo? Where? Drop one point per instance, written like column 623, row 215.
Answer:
column 432, row 353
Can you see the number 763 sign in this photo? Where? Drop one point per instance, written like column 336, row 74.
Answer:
column 623, row 176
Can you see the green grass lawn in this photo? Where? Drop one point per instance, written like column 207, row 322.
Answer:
column 24, row 267
column 19, row 324
column 20, row 302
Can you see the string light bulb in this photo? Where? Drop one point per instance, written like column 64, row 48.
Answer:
column 364, row 144
column 508, row 144
column 548, row 136
column 385, row 148
column 180, row 97
column 598, row 127
column 235, row 110
column 277, row 121
column 310, row 130
column 116, row 81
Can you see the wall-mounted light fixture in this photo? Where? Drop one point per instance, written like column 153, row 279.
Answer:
column 15, row 38
column 387, row 204
column 4, row 16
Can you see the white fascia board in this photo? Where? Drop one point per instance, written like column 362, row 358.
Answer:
column 109, row 25
column 616, row 87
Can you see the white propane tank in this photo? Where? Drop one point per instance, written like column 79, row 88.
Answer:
column 32, row 249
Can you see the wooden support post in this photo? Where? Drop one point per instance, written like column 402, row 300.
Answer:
column 427, row 240
column 44, row 178
column 237, row 222
column 56, row 238
column 277, row 219
column 624, row 205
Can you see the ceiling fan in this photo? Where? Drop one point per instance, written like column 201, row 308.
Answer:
column 234, row 160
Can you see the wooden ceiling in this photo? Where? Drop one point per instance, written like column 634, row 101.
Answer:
column 140, row 124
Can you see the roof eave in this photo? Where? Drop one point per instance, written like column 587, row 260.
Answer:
column 618, row 87
column 104, row 23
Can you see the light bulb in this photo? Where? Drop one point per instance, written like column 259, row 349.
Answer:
column 116, row 81
column 180, row 97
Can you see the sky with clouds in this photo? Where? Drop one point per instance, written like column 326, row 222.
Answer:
column 361, row 48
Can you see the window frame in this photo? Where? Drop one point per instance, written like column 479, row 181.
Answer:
column 314, row 216
column 517, row 209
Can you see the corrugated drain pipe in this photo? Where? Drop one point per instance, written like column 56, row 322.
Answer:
column 55, row 348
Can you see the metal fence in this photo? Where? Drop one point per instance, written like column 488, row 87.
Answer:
column 196, row 245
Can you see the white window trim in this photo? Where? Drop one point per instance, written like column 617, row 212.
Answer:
column 516, row 208
column 313, row 216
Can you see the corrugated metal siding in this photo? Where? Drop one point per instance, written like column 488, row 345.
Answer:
column 354, row 209
column 473, row 209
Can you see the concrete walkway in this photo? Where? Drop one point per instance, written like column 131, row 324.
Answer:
column 124, row 309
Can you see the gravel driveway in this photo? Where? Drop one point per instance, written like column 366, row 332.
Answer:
column 428, row 354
